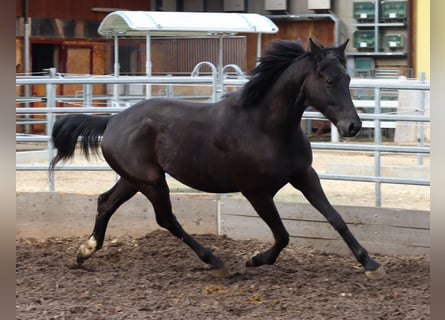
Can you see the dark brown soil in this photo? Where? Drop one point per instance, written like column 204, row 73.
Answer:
column 158, row 277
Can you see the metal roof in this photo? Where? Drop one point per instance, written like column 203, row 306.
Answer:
column 163, row 23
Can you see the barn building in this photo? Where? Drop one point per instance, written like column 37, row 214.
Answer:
column 63, row 34
column 387, row 38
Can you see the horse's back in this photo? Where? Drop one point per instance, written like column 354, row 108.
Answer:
column 174, row 136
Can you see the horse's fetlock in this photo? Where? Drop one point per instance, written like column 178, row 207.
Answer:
column 208, row 257
column 362, row 253
column 283, row 242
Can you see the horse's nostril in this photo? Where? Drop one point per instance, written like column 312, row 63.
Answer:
column 354, row 128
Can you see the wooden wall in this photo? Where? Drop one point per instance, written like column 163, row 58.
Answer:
column 323, row 31
column 79, row 10
column 182, row 55
column 42, row 215
column 382, row 231
column 79, row 57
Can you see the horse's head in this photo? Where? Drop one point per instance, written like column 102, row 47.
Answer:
column 327, row 88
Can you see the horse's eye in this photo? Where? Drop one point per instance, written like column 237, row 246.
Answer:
column 329, row 82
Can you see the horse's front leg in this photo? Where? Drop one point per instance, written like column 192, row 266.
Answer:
column 266, row 209
column 309, row 184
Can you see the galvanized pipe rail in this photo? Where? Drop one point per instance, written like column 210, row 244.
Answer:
column 377, row 148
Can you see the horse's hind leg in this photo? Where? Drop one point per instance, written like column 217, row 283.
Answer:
column 158, row 194
column 107, row 204
column 309, row 185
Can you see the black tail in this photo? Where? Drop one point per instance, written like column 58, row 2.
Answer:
column 69, row 128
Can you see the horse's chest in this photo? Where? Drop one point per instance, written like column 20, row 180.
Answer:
column 280, row 167
column 265, row 164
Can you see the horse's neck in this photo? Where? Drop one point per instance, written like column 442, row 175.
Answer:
column 286, row 98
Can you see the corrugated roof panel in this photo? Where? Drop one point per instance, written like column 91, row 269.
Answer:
column 162, row 23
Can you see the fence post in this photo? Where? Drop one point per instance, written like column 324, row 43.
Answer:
column 334, row 133
column 116, row 87
column 148, row 66
column 421, row 127
column 169, row 88
column 377, row 142
column 50, row 103
column 87, row 95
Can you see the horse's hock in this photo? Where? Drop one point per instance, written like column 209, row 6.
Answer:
column 42, row 215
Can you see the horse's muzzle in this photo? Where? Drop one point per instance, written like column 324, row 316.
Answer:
column 349, row 129
column 354, row 128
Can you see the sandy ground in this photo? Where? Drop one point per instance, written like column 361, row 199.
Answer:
column 158, row 277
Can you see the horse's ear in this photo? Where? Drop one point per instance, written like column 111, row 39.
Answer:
column 317, row 50
column 342, row 47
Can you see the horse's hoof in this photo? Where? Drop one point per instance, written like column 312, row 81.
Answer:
column 86, row 250
column 220, row 272
column 376, row 274
column 250, row 263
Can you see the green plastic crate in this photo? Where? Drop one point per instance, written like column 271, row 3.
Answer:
column 394, row 41
column 393, row 10
column 363, row 63
column 363, row 10
column 363, row 39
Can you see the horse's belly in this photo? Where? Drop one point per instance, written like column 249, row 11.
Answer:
column 213, row 182
column 198, row 161
column 227, row 177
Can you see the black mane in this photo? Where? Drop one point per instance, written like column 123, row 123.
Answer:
column 277, row 57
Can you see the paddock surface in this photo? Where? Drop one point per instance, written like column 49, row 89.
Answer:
column 152, row 275
column 157, row 277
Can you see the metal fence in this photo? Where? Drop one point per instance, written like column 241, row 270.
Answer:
column 115, row 100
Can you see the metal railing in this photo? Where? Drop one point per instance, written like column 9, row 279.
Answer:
column 51, row 99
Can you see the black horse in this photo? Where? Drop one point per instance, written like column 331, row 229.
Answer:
column 249, row 142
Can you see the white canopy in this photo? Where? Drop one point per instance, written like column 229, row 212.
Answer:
column 181, row 24
column 162, row 23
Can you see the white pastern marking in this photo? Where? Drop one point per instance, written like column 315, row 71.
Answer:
column 376, row 274
column 88, row 248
